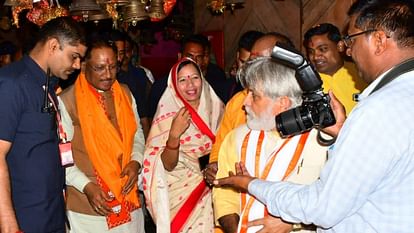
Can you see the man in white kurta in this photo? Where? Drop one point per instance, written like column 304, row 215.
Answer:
column 258, row 145
column 77, row 179
column 102, row 193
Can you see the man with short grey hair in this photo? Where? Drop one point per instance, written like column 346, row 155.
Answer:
column 368, row 183
column 272, row 89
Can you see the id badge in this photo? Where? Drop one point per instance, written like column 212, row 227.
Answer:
column 66, row 153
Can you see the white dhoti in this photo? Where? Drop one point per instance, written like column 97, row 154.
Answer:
column 83, row 223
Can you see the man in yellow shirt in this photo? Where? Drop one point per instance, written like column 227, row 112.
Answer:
column 324, row 47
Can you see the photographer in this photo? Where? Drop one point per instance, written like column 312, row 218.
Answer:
column 367, row 184
column 257, row 144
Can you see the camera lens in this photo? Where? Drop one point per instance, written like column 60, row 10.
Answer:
column 293, row 121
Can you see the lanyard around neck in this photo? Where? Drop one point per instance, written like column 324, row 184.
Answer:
column 61, row 131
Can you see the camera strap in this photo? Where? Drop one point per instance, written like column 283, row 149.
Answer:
column 400, row 69
column 321, row 140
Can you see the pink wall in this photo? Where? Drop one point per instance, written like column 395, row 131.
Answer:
column 160, row 57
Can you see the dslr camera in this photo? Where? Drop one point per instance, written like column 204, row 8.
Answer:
column 315, row 111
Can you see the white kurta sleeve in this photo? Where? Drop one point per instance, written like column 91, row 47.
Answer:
column 139, row 140
column 74, row 176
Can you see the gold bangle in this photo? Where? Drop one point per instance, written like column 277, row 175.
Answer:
column 170, row 147
column 297, row 227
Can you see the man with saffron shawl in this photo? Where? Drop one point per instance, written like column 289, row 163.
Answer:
column 99, row 118
column 182, row 132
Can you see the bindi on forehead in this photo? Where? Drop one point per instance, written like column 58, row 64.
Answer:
column 185, row 77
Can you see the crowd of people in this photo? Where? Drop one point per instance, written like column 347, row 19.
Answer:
column 196, row 151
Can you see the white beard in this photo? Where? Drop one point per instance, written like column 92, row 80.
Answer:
column 266, row 121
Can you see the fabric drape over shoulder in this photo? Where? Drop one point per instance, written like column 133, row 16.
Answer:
column 109, row 148
column 172, row 190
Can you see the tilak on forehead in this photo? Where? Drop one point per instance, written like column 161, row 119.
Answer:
column 311, row 42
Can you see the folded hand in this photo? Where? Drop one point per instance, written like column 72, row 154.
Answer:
column 131, row 170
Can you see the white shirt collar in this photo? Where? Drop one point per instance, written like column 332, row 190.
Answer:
column 371, row 86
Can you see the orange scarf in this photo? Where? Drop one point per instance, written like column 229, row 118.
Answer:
column 102, row 140
column 269, row 165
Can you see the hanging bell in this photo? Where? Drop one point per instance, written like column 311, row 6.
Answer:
column 157, row 9
column 233, row 5
column 100, row 16
column 11, row 3
column 84, row 8
column 134, row 12
column 113, row 2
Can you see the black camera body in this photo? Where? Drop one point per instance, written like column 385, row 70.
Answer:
column 315, row 111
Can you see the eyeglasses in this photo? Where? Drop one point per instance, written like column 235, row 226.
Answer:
column 102, row 68
column 348, row 41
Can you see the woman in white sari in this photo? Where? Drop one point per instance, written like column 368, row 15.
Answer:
column 182, row 132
